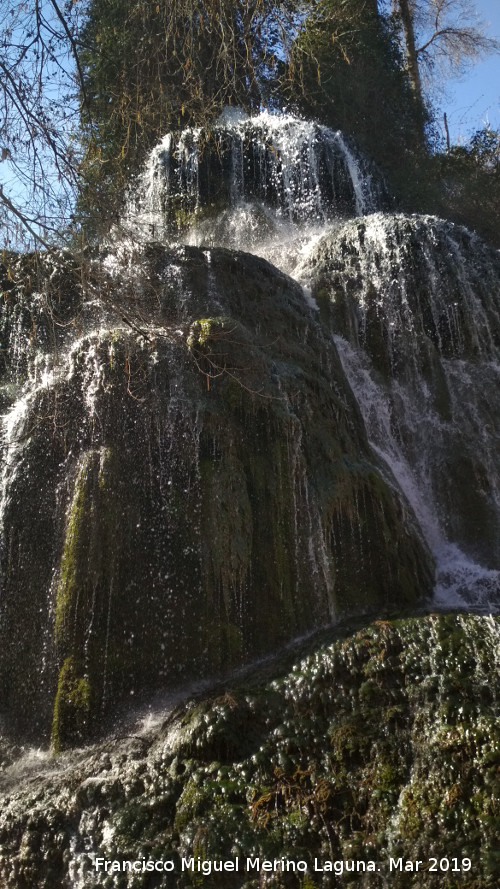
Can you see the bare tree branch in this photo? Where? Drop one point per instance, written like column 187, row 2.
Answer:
column 75, row 53
column 41, row 94
column 444, row 33
column 24, row 220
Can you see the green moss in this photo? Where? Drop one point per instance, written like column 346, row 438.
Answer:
column 226, row 639
column 87, row 533
column 67, row 584
column 72, row 707
column 203, row 330
column 233, row 394
column 103, row 478
column 191, row 803
column 374, row 557
column 85, row 578
column 206, row 527
column 183, row 213
column 295, row 760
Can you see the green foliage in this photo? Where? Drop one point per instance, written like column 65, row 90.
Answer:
column 347, row 70
column 469, row 177
column 154, row 68
column 462, row 184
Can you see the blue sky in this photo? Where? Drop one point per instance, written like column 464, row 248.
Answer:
column 474, row 99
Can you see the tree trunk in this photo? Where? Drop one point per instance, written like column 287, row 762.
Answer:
column 406, row 16
column 411, row 49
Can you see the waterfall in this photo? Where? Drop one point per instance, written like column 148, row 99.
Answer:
column 416, row 318
column 255, row 442
column 251, row 183
column 417, row 326
column 414, row 310
column 204, row 455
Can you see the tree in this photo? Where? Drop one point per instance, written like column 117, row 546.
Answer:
column 470, row 184
column 88, row 88
column 346, row 68
column 447, row 34
column 40, row 72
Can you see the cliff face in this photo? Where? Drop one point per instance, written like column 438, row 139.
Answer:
column 183, row 491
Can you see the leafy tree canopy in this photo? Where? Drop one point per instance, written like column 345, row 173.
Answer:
column 470, row 184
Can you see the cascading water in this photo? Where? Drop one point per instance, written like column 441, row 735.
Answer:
column 417, row 325
column 416, row 317
column 270, row 507
column 252, row 184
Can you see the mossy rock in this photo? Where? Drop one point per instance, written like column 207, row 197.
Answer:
column 299, row 759
column 195, row 489
column 72, row 707
column 416, row 298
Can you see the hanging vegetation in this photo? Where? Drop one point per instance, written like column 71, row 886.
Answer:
column 151, row 68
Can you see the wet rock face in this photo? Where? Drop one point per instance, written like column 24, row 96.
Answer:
column 187, row 485
column 416, row 301
column 378, row 742
column 407, row 287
